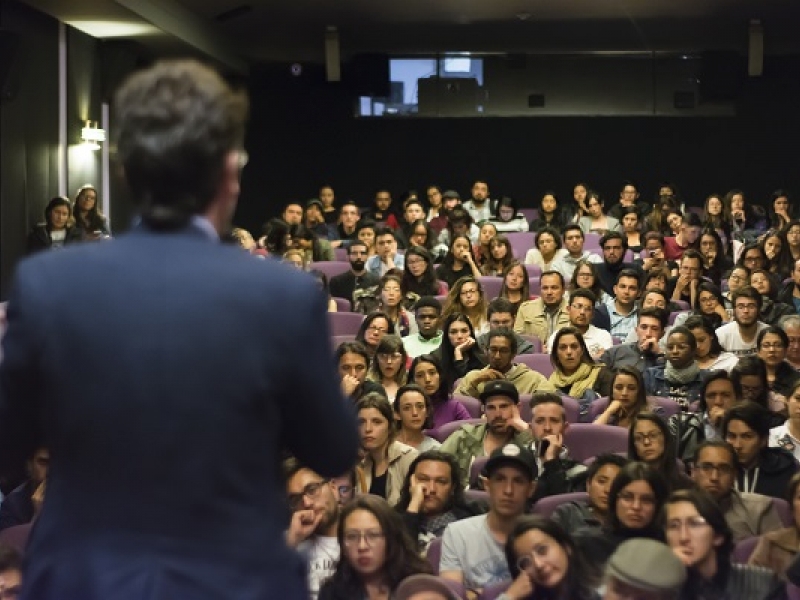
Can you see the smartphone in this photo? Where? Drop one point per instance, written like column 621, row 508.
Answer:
column 652, row 253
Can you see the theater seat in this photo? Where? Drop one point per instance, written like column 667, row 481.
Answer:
column 491, row 286
column 585, row 440
column 473, row 405
column 546, row 506
column 743, row 549
column 537, row 362
column 442, row 433
column 435, row 554
column 331, row 268
column 345, row 323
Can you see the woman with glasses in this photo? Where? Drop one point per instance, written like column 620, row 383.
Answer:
column 679, row 379
column 374, row 327
column 635, row 501
column 700, row 537
column 708, row 303
column 388, row 366
column 792, row 235
column 715, row 261
column 376, row 553
column 772, row 344
column 466, row 297
column 738, row 277
column 419, row 276
column 585, row 277
column 650, row 441
column 545, row 564
column 414, row 414
column 390, row 301
column 386, row 460
column 459, row 351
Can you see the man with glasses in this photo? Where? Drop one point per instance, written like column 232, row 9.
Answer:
column 501, row 313
column 472, row 549
column 581, row 312
column 791, row 326
column 689, row 274
column 573, row 243
column 629, row 197
column 747, row 514
column 357, row 278
column 545, row 315
column 427, row 311
column 312, row 531
column 740, row 335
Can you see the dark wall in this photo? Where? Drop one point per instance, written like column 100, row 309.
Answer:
column 302, row 134
column 28, row 130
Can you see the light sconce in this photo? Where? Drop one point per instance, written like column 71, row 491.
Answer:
column 92, row 135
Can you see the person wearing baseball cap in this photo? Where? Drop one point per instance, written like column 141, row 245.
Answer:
column 500, row 399
column 473, row 551
column 644, row 569
column 314, row 219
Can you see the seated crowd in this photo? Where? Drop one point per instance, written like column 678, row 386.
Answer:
column 617, row 421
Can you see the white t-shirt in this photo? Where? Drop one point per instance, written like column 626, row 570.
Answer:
column 57, row 238
column 597, row 341
column 322, row 556
column 468, row 546
column 779, row 437
column 534, row 257
column 731, row 340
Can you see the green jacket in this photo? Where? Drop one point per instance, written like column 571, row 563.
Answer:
column 526, row 380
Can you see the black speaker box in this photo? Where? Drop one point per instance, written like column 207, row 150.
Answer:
column 368, row 75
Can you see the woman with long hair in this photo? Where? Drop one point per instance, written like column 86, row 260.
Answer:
column 792, row 235
column 635, row 501
column 376, row 553
column 779, row 261
column 651, row 442
column 596, row 220
column 481, row 251
column 549, row 213
column 390, row 301
column 746, row 220
column 773, row 344
column 715, row 214
column 413, row 413
column 419, row 276
column 780, row 210
column 459, row 351
column 657, row 221
column 277, row 240
column 506, row 218
column 710, row 303
column 56, row 231
column 585, row 277
column 771, row 312
column 710, row 355
column 626, row 400
column 715, row 261
column 386, row 460
column 313, row 248
column 467, row 296
column 516, row 286
column 631, row 229
column 421, row 234
column 89, row 221
column 575, row 374
column 546, row 564
column 388, row 366
column 373, row 328
column 547, row 250
column 427, row 372
column 458, row 262
column 501, row 255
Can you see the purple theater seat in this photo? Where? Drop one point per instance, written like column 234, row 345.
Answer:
column 494, row 591
column 535, row 286
column 537, row 362
column 530, row 213
column 537, row 343
column 667, row 405
column 434, row 554
column 792, row 592
column 585, row 440
column 742, row 550
column 442, row 433
column 473, row 405
column 784, row 511
column 337, row 340
column 476, row 469
column 331, row 268
column 342, row 304
column 533, row 271
column 491, row 286
column 340, row 254
column 345, row 323
column 478, row 496
column 674, row 315
column 16, row 537
column 521, row 242
column 546, row 506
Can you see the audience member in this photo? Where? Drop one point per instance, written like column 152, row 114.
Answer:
column 373, row 328
column 480, row 207
column 386, row 460
column 791, row 326
column 680, row 378
column 622, row 310
column 650, row 441
column 614, row 247
column 56, row 231
column 584, row 277
column 22, row 504
column 296, row 258
column 10, row 573
column 313, row 248
column 596, row 221
column 292, row 213
column 459, row 352
column 715, row 261
column 377, row 553
column 386, row 256
column 643, row 569
column 388, row 366
column 501, row 313
column 382, row 210
column 516, row 286
column 629, row 198
column 575, row 374
column 466, row 296
column 645, row 352
column 786, row 435
column 426, row 371
column 413, row 412
column 685, row 238
column 771, row 312
column 419, row 277
column 353, row 360
column 365, row 232
column 574, row 239
column 626, row 400
column 772, row 343
column 738, row 277
column 547, row 249
column 314, row 220
column 652, row 260
column 89, row 221
column 458, row 262
column 500, row 258
column 390, row 301
column 709, row 354
column 549, row 213
column 459, row 222
column 427, row 314
column 348, row 229
column 581, row 310
column 790, row 293
column 776, row 549
column 546, row 315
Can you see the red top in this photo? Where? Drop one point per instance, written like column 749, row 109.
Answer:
column 673, row 251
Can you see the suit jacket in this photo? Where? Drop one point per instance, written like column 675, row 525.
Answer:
column 166, row 395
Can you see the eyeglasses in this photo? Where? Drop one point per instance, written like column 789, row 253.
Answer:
column 386, row 357
column 736, row 278
column 721, row 468
column 312, row 490
column 580, row 308
column 353, row 538
column 693, row 523
column 653, row 436
column 376, row 329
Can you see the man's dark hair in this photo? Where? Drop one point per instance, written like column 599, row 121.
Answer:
column 583, row 293
column 351, row 203
column 614, row 235
column 411, row 201
column 656, row 313
column 428, row 302
column 500, row 305
column 572, row 227
column 382, row 231
column 654, row 235
column 503, row 332
column 694, row 255
column 365, row 224
column 746, row 291
column 456, row 500
column 175, row 124
column 459, row 215
column 661, row 293
column 355, row 243
column 755, row 416
column 10, row 559
column 291, row 466
column 629, row 182
column 633, row 274
column 601, row 461
column 352, row 348
column 540, row 398
column 552, row 273
column 715, row 444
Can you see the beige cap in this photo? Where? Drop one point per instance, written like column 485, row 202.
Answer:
column 648, row 565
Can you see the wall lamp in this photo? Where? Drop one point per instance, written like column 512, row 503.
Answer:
column 92, row 135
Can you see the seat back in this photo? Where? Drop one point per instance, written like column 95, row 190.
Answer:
column 521, row 242
column 340, row 254
column 342, row 304
column 331, row 268
column 345, row 323
column 743, row 549
column 536, row 362
column 337, row 340
column 533, row 271
column 586, row 440
column 440, row 434
column 475, row 470
column 674, row 315
column 434, row 554
column 473, row 405
column 784, row 511
column 546, row 506
column 491, row 286
column 537, row 343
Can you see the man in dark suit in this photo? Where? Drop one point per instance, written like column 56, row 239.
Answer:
column 357, row 278
column 164, row 394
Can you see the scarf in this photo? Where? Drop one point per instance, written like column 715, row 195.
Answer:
column 580, row 381
column 681, row 376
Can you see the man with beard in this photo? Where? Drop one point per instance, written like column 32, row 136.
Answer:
column 433, row 497
column 739, row 336
column 503, row 426
column 581, row 311
column 501, row 350
column 479, row 206
column 747, row 514
column 614, row 246
column 546, row 315
column 357, row 278
column 314, row 504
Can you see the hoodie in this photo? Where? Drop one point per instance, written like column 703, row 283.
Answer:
column 771, row 475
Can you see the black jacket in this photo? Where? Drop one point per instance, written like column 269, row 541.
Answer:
column 772, row 474
column 39, row 238
column 17, row 507
column 771, row 312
